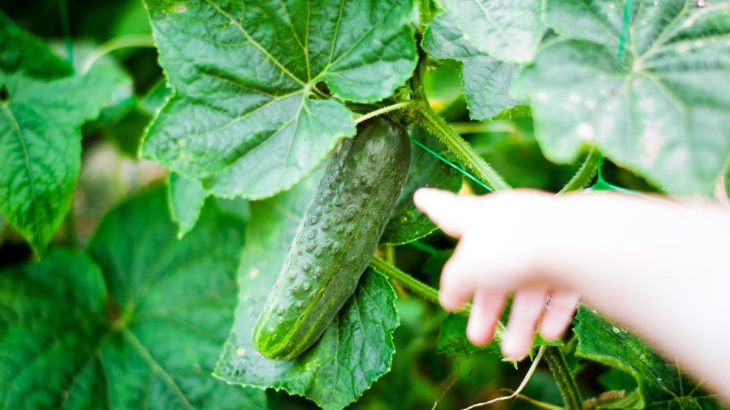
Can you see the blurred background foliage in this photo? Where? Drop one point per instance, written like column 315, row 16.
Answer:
column 422, row 378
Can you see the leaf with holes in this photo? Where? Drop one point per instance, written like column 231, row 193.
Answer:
column 140, row 329
column 353, row 352
column 249, row 116
column 40, row 131
column 486, row 81
column 660, row 111
column 661, row 384
column 508, row 30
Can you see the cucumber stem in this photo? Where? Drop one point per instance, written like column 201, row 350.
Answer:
column 418, row 287
column 566, row 383
column 381, row 111
column 437, row 126
column 585, row 173
column 457, row 145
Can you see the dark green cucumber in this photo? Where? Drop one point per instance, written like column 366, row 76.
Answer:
column 336, row 239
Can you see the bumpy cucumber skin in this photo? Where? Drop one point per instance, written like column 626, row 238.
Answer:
column 336, row 239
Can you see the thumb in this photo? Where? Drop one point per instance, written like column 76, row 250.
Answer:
column 445, row 209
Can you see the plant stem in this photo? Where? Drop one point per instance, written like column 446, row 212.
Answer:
column 483, row 127
column 381, row 111
column 585, row 173
column 457, row 145
column 421, row 289
column 521, row 387
column 418, row 287
column 566, row 383
column 116, row 44
column 538, row 404
column 66, row 27
column 453, row 141
column 424, row 247
column 424, row 13
column 72, row 236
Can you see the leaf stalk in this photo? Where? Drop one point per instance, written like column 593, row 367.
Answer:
column 585, row 173
column 437, row 126
column 381, row 111
column 566, row 383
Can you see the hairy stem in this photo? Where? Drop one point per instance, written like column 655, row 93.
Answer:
column 566, row 383
column 457, row 145
column 443, row 131
column 418, row 287
column 585, row 173
column 381, row 111
column 481, row 127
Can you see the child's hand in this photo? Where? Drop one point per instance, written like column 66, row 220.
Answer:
column 657, row 267
column 494, row 259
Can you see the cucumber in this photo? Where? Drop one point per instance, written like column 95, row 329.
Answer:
column 336, row 239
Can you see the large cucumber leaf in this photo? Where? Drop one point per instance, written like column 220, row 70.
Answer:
column 247, row 118
column 140, row 329
column 353, row 352
column 508, row 30
column 486, row 81
column 661, row 384
column 41, row 115
column 661, row 111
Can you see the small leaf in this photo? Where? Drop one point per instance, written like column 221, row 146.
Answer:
column 661, row 384
column 156, row 98
column 407, row 223
column 486, row 81
column 508, row 30
column 243, row 118
column 186, row 198
column 353, row 352
column 40, row 133
column 661, row 111
column 140, row 329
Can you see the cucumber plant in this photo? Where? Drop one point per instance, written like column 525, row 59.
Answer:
column 290, row 136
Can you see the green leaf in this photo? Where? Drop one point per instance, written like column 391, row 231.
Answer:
column 452, row 338
column 40, row 132
column 19, row 51
column 141, row 329
column 51, row 314
column 486, row 81
column 661, row 113
column 186, row 198
column 506, row 30
column 407, row 223
column 354, row 351
column 244, row 118
column 661, row 384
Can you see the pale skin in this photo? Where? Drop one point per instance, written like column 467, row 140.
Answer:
column 659, row 268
